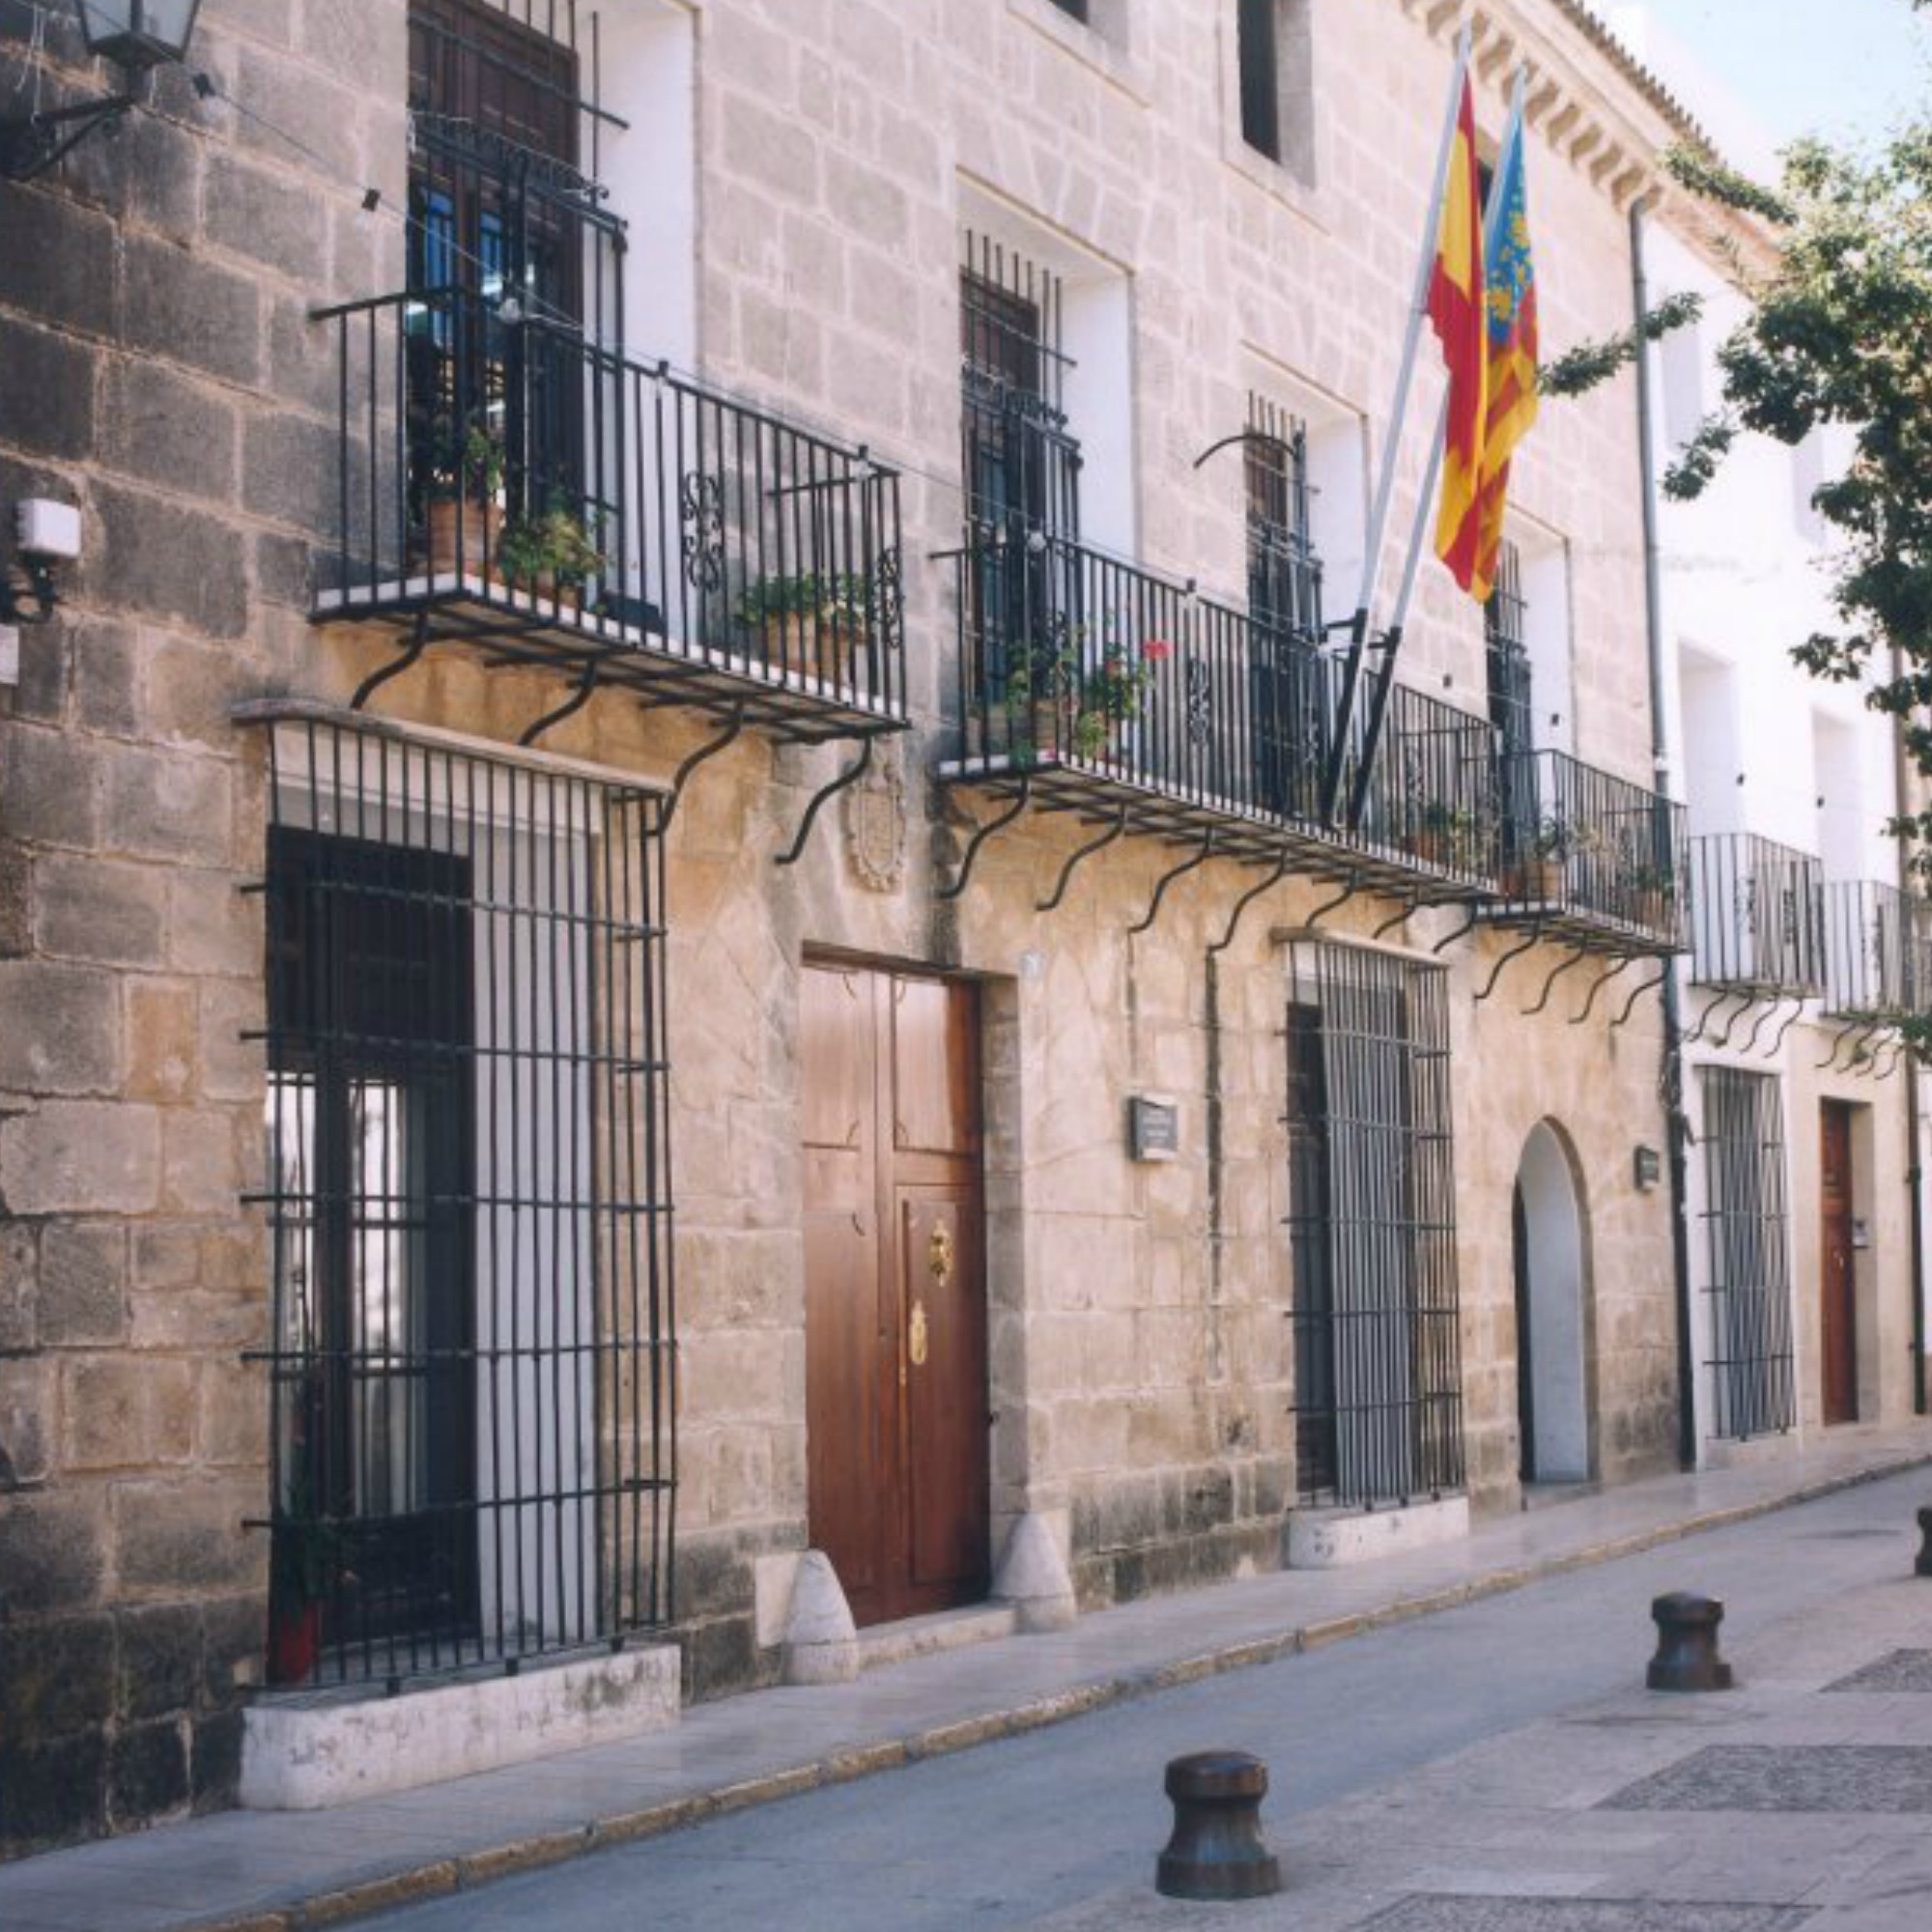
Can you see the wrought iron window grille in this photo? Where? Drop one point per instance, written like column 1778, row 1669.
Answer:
column 472, row 1429
column 1371, row 1229
column 1748, row 1289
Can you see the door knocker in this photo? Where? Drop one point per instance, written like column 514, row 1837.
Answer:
column 939, row 1254
column 915, row 1337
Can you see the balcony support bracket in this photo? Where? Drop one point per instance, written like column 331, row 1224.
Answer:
column 1117, row 829
column 1351, row 887
column 1515, row 952
column 704, row 752
column 1724, row 1041
column 417, row 644
column 1777, row 1045
column 1759, row 1024
column 1200, row 859
column 1462, row 931
column 1650, row 985
column 1401, row 916
column 1576, row 960
column 1598, row 984
column 846, row 779
column 980, row 838
column 1247, row 899
column 571, row 705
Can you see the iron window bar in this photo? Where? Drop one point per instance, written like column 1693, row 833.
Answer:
column 714, row 555
column 1588, row 858
column 474, row 1458
column 1757, row 917
column 1377, row 1398
column 1746, row 1225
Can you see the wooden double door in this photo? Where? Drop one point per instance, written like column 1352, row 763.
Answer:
column 896, row 1304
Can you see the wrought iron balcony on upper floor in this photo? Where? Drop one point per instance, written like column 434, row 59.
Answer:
column 503, row 482
column 1878, row 953
column 1757, row 916
column 1089, row 686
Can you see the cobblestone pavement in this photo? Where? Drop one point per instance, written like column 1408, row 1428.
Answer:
column 1495, row 1769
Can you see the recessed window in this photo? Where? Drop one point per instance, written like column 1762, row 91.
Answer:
column 1077, row 9
column 1274, row 51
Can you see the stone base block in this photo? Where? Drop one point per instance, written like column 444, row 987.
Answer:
column 1333, row 1539
column 306, row 1750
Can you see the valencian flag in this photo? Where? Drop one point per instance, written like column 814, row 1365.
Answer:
column 1456, row 310
column 1511, row 406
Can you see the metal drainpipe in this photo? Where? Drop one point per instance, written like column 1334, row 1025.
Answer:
column 1901, row 769
column 1671, row 1076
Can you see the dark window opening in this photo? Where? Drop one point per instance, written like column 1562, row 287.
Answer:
column 1260, row 77
column 1075, row 9
column 1290, row 699
column 468, row 1207
column 1506, row 659
column 1753, row 1386
column 1372, row 1230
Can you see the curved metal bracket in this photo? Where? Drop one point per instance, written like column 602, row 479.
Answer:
column 1327, row 906
column 1777, row 1045
column 417, row 644
column 710, row 748
column 1713, row 1002
column 1861, row 1061
column 1638, row 993
column 1838, row 1041
column 1461, row 932
column 1051, row 903
column 980, row 838
column 1200, row 858
column 1759, row 1024
column 572, row 704
column 1602, row 981
column 1247, row 899
column 1515, row 952
column 1891, row 1066
column 1406, row 912
column 1576, row 960
column 1724, row 1041
column 846, row 779
column 1228, row 443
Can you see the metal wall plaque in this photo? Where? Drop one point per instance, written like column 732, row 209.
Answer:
column 1154, row 1128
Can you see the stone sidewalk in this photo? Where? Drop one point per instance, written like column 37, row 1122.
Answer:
column 283, row 1872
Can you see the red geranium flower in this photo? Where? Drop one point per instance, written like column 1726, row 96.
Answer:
column 1157, row 649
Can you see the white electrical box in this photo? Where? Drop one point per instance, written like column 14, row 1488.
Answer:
column 43, row 527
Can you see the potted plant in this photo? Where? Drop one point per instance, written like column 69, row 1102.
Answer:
column 551, row 553
column 1654, row 889
column 1538, row 873
column 1443, row 835
column 1110, row 692
column 810, row 621
column 307, row 1564
column 466, row 500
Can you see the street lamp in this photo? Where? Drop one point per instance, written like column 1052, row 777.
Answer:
column 136, row 34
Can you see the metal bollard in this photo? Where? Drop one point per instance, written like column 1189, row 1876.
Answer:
column 1687, row 1644
column 1923, row 1566
column 1216, row 1850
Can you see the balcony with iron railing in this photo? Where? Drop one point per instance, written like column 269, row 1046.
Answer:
column 1091, row 686
column 1757, row 918
column 1590, row 859
column 508, row 484
column 1878, row 953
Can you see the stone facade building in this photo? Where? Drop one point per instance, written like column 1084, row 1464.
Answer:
column 664, row 888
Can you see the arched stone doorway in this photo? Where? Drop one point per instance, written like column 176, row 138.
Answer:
column 1551, row 1313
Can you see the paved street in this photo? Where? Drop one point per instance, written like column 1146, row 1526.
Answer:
column 1493, row 1769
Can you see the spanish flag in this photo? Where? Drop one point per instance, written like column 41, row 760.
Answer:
column 1511, row 353
column 1456, row 310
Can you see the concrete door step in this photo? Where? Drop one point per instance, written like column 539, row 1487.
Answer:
column 943, row 1629
column 1549, row 1496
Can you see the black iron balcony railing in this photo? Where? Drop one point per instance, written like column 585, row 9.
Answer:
column 1878, row 953
column 511, row 484
column 1591, row 858
column 1102, row 688
column 1757, row 916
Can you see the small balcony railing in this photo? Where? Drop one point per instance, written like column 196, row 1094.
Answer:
column 1878, row 953
column 513, row 485
column 1590, row 857
column 1757, row 916
column 1104, row 688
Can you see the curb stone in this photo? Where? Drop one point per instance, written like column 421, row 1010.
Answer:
column 439, row 1877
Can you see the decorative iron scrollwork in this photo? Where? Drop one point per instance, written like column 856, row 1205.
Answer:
column 702, row 504
column 887, row 612
column 1199, row 700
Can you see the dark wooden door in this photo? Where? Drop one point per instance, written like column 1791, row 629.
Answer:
column 896, row 1304
column 1837, row 1311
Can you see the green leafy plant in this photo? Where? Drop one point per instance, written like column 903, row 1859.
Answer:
column 554, row 548
column 470, row 462
column 842, row 597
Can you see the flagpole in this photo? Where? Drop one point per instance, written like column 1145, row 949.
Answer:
column 1365, row 765
column 1384, row 497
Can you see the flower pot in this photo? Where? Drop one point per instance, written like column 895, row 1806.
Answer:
column 1653, row 908
column 806, row 644
column 463, row 535
column 294, row 1644
column 1535, row 881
